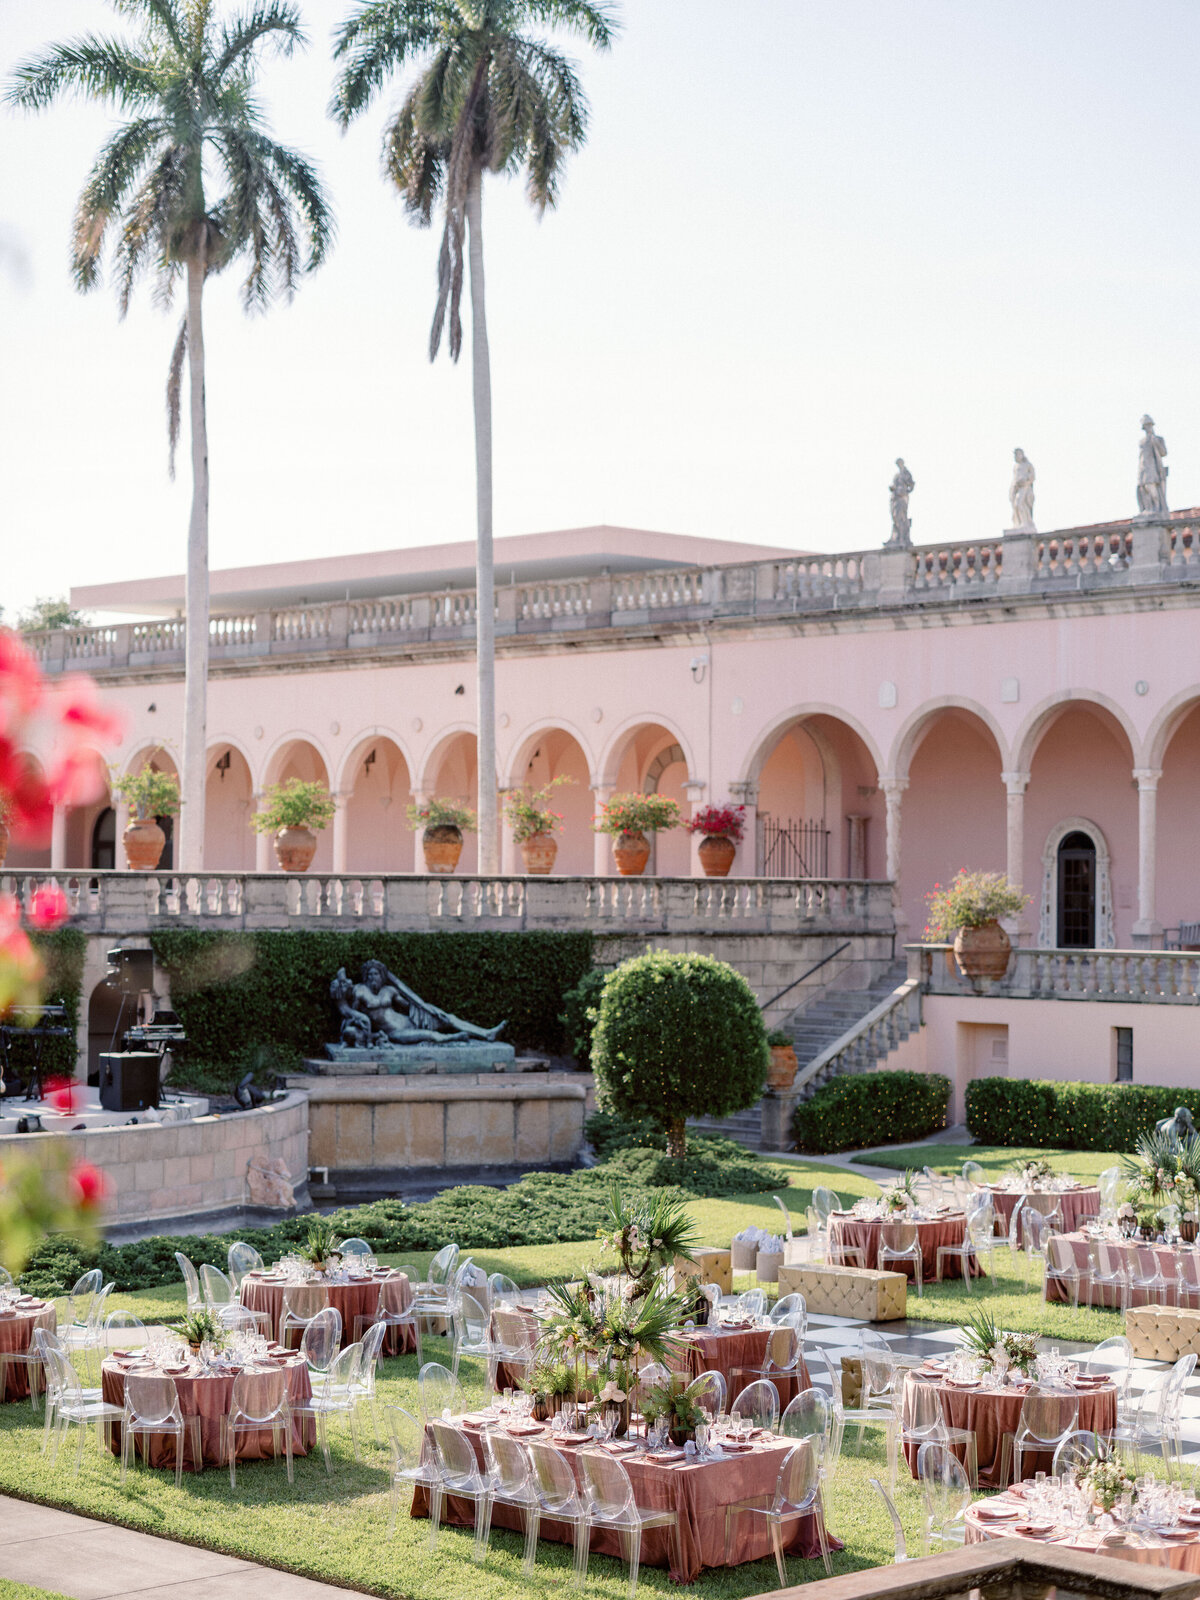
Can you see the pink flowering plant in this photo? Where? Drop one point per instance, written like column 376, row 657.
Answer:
column 437, row 813
column 971, row 900
column 637, row 813
column 528, row 812
column 719, row 822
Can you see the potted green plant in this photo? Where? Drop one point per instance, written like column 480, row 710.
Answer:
column 550, row 1383
column 318, row 1244
column 441, row 824
column 782, row 1070
column 532, row 821
column 969, row 911
column 149, row 794
column 721, row 827
column 292, row 811
column 629, row 818
column 201, row 1327
column 671, row 1400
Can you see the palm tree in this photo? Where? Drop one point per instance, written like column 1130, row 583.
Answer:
column 187, row 85
column 488, row 98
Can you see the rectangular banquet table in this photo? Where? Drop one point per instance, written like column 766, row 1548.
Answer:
column 1166, row 1255
column 933, row 1232
column 353, row 1298
column 1074, row 1204
column 698, row 1494
column 991, row 1413
column 16, row 1335
column 209, row 1396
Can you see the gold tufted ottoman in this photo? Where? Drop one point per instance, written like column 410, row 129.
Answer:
column 1163, row 1333
column 848, row 1291
column 710, row 1265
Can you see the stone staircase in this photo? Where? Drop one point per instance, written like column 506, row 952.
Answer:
column 815, row 1030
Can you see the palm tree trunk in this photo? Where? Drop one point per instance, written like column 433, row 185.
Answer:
column 485, row 594
column 190, row 857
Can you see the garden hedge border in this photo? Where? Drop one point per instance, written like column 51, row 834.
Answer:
column 861, row 1109
column 1067, row 1116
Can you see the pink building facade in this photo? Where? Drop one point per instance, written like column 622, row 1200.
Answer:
column 1028, row 703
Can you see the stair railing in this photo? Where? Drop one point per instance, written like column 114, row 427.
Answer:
column 869, row 1040
column 824, row 962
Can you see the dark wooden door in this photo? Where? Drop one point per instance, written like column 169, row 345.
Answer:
column 1077, row 892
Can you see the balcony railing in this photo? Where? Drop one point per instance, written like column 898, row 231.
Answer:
column 114, row 902
column 1092, row 560
column 1151, row 977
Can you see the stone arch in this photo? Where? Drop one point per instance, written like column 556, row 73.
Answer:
column 229, row 843
column 430, row 763
column 616, row 751
column 1167, row 724
column 908, row 740
column 553, row 749
column 527, row 741
column 815, row 781
column 1043, row 717
column 299, row 756
column 81, row 820
column 451, row 771
column 375, row 788
column 650, row 756
column 770, row 735
column 1048, row 905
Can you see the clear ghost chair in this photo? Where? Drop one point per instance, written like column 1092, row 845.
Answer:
column 471, row 1279
column 974, row 1174
column 752, row 1303
column 302, row 1304
column 1156, row 1422
column 947, row 1496
column 470, row 1330
column 784, row 1357
column 81, row 1328
column 1014, row 1225
column 1060, row 1266
column 648, row 1377
column 792, row 1247
column 337, row 1394
column 708, row 1391
column 797, row 1494
column 241, row 1259
column 259, row 1401
column 900, row 1244
column 219, row 1294
column 1047, row 1417
column 807, row 1417
column 1037, row 1228
column 894, row 1516
column 560, row 1500
column 608, row 1497
column 758, row 1404
column 789, row 1307
column 191, row 1282
column 1109, row 1184
column 923, row 1421
column 1106, row 1273
column 825, row 1201
column 1113, row 1358
column 46, row 1344
column 364, row 1383
column 458, row 1475
column 75, row 1405
column 817, row 1236
column 513, row 1339
column 322, row 1340
column 837, row 1411
column 439, row 1392
column 391, row 1315
column 413, row 1461
column 878, row 1400
column 1076, row 1450
column 510, row 1478
column 1187, row 1277
column 503, row 1290
column 359, row 1249
column 1145, row 1274
column 238, row 1319
column 436, row 1287
column 121, row 1328
column 6, row 1278
column 152, row 1408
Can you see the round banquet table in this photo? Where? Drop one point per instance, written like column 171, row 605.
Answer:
column 353, row 1298
column 1182, row 1555
column 696, row 1491
column 1075, row 1205
column 16, row 1335
column 991, row 1413
column 724, row 1349
column 209, row 1396
column 1166, row 1255
column 933, row 1232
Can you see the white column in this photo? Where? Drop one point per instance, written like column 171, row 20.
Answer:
column 511, row 863
column 694, row 789
column 1147, row 930
column 1015, row 784
column 893, row 791
column 341, row 836
column 420, row 797
column 603, row 865
column 121, row 807
column 58, row 839
column 264, row 856
column 746, row 863
column 856, row 853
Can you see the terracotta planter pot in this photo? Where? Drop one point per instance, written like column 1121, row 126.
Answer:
column 681, row 1435
column 295, row 848
column 538, row 853
column 442, row 847
column 982, row 952
column 1187, row 1232
column 631, row 851
column 783, row 1067
column 716, row 855
column 3, row 842
column 144, row 843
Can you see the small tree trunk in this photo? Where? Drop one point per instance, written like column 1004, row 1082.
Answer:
column 190, row 855
column 676, row 1139
column 485, row 601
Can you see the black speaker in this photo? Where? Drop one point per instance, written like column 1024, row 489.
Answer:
column 129, row 1081
column 130, row 971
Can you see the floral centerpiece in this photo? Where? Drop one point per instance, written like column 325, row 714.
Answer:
column 550, row 1383
column 629, row 818
column 318, row 1244
column 201, row 1327
column 900, row 1198
column 441, row 824
column 999, row 1350
column 671, row 1401
column 532, row 821
column 647, row 1235
column 1163, row 1171
column 1126, row 1219
column 1109, row 1481
column 969, row 912
column 721, row 828
column 1034, row 1174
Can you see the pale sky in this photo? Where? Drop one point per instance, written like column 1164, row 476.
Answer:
column 803, row 239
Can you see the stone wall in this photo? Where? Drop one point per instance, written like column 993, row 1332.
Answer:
column 158, row 1171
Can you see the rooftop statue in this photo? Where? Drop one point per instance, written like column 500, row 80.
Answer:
column 902, row 486
column 1152, row 471
column 1020, row 492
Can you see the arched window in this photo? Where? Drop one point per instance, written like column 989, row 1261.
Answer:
column 1077, row 892
column 104, row 840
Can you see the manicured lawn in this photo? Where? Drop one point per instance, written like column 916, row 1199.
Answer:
column 994, row 1159
column 24, row 1591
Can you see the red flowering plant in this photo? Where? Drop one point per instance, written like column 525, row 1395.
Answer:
column 54, row 1194
column 637, row 813
column 719, row 822
column 971, row 900
column 528, row 812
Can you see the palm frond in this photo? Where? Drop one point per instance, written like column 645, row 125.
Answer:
column 598, row 23
column 118, row 169
column 414, row 161
column 102, row 69
column 274, row 21
column 378, row 39
column 163, row 13
column 174, row 392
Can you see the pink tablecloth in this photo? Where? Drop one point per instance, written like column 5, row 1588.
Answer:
column 1074, row 1204
column 16, row 1335
column 864, row 1232
column 1182, row 1555
column 1166, row 1255
column 697, row 1494
column 725, row 1350
column 209, row 1398
column 991, row 1413
column 353, row 1300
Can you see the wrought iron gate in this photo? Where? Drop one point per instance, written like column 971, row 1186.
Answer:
column 794, row 849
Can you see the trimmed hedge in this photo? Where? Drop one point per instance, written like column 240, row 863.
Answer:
column 262, row 999
column 870, row 1108
column 1066, row 1116
column 62, row 952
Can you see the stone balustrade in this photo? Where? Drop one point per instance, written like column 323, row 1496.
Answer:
column 129, row 902
column 1152, row 977
column 1079, row 560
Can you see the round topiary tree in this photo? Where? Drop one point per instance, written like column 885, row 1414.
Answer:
column 678, row 1036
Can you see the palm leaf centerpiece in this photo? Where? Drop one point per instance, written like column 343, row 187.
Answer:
column 998, row 1350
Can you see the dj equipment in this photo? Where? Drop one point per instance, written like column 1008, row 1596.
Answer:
column 129, row 1080
column 131, row 974
column 31, row 1025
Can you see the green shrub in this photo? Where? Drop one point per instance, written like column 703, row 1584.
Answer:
column 678, row 1036
column 581, row 1009
column 706, row 1169
column 62, row 953
column 236, row 992
column 1066, row 1116
column 608, row 1133
column 870, row 1108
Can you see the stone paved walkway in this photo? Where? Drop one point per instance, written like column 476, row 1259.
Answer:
column 89, row 1560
